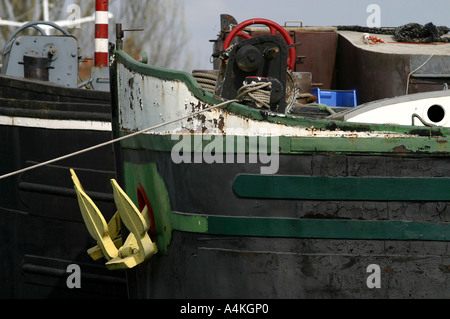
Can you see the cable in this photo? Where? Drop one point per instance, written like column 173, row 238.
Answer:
column 409, row 75
column 114, row 140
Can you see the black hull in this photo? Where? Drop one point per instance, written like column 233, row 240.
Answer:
column 40, row 224
column 210, row 188
column 225, row 267
column 206, row 265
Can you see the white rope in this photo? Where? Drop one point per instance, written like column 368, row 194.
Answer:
column 254, row 92
column 114, row 140
column 206, row 80
column 409, row 75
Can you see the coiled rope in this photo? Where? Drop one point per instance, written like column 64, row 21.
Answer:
column 408, row 33
column 256, row 92
column 207, row 80
column 116, row 140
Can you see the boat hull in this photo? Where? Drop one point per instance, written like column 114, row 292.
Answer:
column 290, row 248
column 225, row 267
column 254, row 204
column 40, row 220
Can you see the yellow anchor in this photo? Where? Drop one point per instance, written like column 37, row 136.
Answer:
column 138, row 246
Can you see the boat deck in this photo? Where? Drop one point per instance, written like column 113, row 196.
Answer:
column 391, row 45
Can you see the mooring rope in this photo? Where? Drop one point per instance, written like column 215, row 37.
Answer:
column 258, row 93
column 207, row 80
column 409, row 75
column 115, row 140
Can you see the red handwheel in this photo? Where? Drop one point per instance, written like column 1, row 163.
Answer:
column 273, row 27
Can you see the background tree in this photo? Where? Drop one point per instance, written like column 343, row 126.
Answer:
column 163, row 38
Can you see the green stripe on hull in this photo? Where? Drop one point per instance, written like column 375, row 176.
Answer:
column 342, row 188
column 316, row 228
column 311, row 228
column 370, row 145
column 297, row 145
column 168, row 220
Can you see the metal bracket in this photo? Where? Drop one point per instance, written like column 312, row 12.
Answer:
column 415, row 115
column 120, row 34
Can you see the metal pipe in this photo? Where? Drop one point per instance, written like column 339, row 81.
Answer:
column 101, row 33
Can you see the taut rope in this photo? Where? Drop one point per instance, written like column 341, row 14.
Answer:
column 114, row 140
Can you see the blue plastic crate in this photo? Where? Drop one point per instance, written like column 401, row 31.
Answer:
column 339, row 98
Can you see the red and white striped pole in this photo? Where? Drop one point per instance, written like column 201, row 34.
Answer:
column 101, row 33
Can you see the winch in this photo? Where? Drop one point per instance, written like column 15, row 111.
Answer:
column 258, row 66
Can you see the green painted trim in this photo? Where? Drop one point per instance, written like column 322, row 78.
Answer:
column 167, row 220
column 271, row 117
column 372, row 145
column 298, row 145
column 342, row 188
column 189, row 223
column 314, row 228
column 147, row 174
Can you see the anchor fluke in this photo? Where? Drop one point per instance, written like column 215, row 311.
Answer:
column 138, row 246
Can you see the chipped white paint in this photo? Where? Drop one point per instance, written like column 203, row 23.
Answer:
column 147, row 101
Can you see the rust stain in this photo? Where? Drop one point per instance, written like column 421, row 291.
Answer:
column 445, row 268
column 352, row 262
column 401, row 149
column 221, row 123
column 442, row 144
column 388, row 270
column 275, row 259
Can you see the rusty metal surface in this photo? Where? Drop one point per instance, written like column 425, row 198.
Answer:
column 358, row 69
column 319, row 49
column 316, row 54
